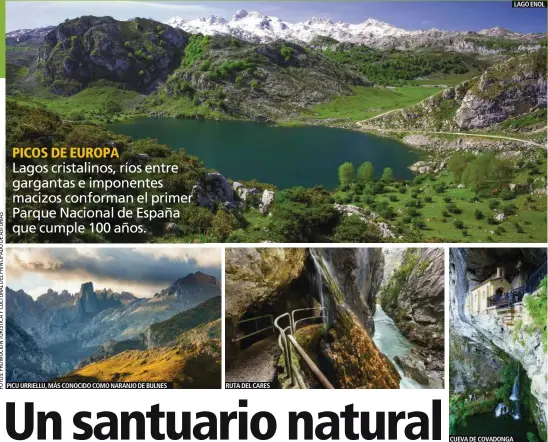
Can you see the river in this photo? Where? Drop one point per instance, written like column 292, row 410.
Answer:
column 284, row 156
column 391, row 342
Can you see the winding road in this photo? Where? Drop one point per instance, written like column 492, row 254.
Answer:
column 363, row 124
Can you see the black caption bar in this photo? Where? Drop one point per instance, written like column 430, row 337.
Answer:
column 248, row 385
column 88, row 385
column 529, row 4
column 483, row 439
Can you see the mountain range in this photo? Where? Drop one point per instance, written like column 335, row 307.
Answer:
column 68, row 328
column 255, row 27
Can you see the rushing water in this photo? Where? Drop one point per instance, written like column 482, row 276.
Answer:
column 392, row 343
column 284, row 156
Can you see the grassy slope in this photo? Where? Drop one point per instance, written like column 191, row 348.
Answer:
column 531, row 216
column 168, row 330
column 368, row 102
column 85, row 104
column 194, row 363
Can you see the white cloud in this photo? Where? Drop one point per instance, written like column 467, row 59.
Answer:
column 203, row 256
column 50, row 13
column 142, row 271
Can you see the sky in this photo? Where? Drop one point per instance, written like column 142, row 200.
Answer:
column 463, row 16
column 142, row 271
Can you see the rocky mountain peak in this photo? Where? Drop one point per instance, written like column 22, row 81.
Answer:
column 240, row 14
column 87, row 299
column 199, row 278
column 194, row 287
column 53, row 299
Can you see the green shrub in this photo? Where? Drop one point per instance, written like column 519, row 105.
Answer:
column 286, row 52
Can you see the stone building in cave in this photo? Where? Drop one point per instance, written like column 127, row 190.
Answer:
column 502, row 295
column 479, row 298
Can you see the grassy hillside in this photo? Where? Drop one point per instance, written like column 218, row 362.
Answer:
column 367, row 102
column 395, row 67
column 194, row 362
column 508, row 94
column 180, row 75
column 167, row 332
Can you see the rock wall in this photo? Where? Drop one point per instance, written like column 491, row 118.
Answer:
column 413, row 296
column 351, row 279
column 255, row 275
column 416, row 304
column 26, row 361
column 358, row 273
column 509, row 89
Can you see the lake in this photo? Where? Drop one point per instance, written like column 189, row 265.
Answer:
column 284, row 156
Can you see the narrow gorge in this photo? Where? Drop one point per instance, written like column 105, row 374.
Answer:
column 320, row 308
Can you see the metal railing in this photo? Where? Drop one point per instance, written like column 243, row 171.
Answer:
column 287, row 341
column 506, row 300
column 322, row 315
column 257, row 330
column 533, row 282
column 514, row 296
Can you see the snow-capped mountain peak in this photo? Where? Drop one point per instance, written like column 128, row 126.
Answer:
column 240, row 14
column 259, row 28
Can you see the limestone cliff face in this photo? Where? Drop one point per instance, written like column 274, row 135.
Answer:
column 414, row 297
column 257, row 274
column 26, row 359
column 358, row 273
column 514, row 88
column 350, row 281
column 485, row 337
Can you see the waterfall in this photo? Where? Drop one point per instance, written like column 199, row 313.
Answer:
column 501, row 409
column 362, row 272
column 514, row 397
column 318, row 281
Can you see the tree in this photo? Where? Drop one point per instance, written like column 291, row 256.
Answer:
column 365, row 173
column 457, row 165
column 110, row 107
column 387, row 174
column 353, row 229
column 346, row 173
column 488, row 171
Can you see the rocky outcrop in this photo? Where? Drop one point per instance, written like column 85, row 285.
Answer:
column 267, row 200
column 367, row 217
column 414, row 298
column 26, row 361
column 135, row 54
column 256, row 275
column 506, row 90
column 514, row 88
column 244, row 192
column 213, row 190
